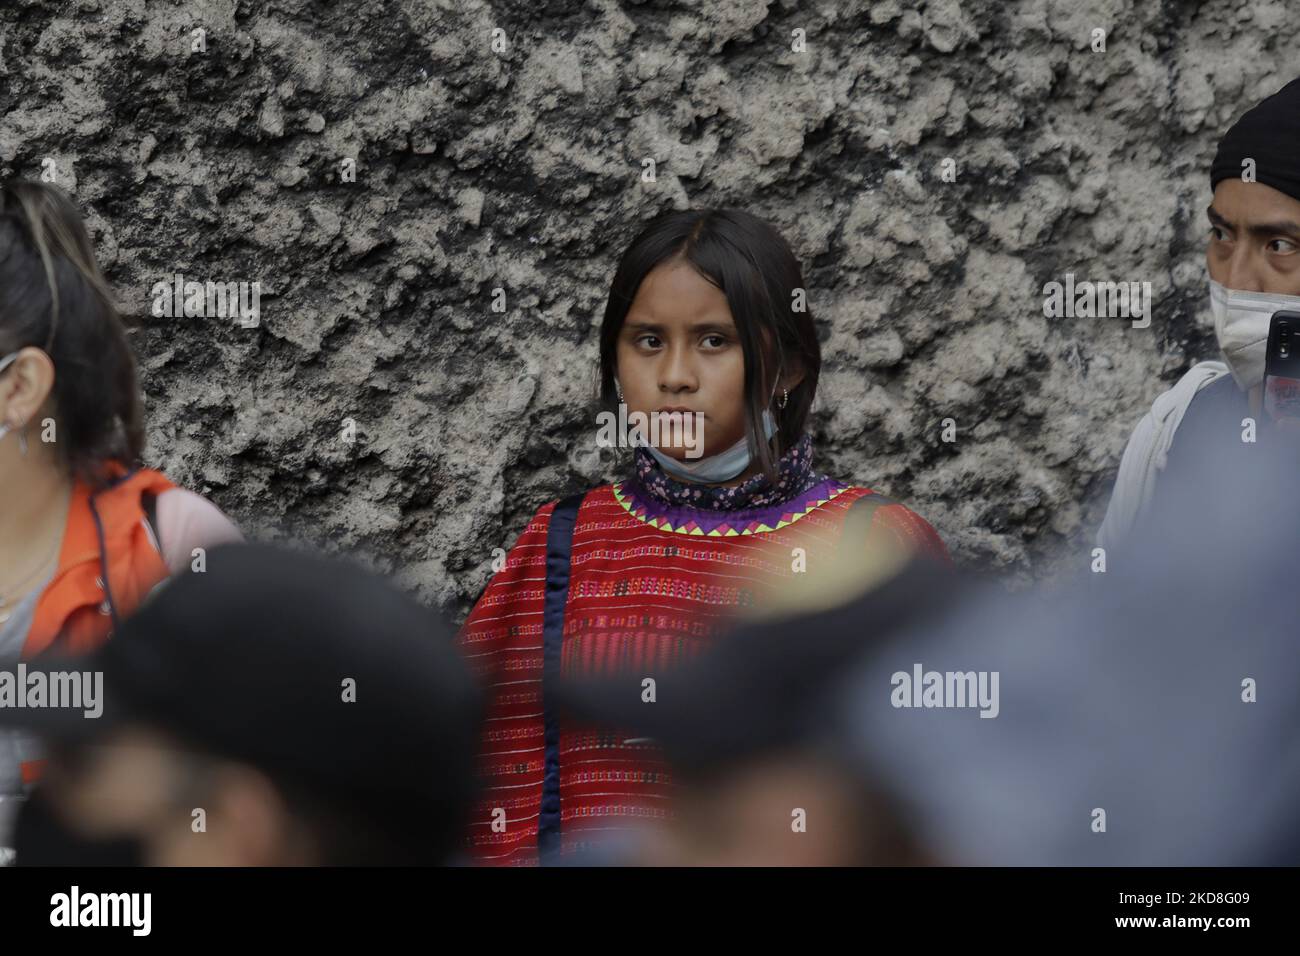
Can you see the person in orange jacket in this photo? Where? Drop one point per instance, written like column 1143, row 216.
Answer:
column 85, row 532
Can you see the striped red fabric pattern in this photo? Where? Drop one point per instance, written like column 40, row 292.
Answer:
column 639, row 596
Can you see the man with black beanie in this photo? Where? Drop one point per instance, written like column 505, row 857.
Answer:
column 1253, row 256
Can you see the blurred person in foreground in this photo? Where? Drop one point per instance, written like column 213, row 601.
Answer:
column 1148, row 714
column 275, row 710
column 1145, row 715
column 759, row 772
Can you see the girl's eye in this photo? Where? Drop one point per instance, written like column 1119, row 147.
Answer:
column 717, row 340
column 1289, row 246
column 648, row 341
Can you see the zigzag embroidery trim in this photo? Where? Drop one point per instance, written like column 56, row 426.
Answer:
column 722, row 530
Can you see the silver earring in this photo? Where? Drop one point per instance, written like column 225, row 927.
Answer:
column 22, row 441
column 619, row 388
column 785, row 398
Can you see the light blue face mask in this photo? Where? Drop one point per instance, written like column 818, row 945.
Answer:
column 723, row 466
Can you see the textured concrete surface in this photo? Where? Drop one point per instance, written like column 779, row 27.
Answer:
column 520, row 169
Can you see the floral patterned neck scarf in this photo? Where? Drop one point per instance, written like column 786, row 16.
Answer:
column 794, row 475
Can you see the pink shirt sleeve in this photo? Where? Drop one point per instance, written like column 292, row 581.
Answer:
column 187, row 521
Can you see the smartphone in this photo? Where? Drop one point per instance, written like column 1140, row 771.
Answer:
column 1282, row 367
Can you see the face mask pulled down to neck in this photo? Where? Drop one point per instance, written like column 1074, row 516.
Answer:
column 1241, row 322
column 723, row 466
column 714, row 469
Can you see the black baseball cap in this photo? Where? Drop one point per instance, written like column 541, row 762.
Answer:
column 315, row 671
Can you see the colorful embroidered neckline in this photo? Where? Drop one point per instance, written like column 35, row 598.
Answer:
column 725, row 524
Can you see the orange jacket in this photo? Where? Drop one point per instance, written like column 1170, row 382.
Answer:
column 107, row 566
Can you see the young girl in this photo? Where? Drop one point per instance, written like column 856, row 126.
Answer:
column 704, row 320
column 85, row 533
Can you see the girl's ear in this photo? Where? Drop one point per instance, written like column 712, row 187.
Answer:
column 792, row 377
column 28, row 384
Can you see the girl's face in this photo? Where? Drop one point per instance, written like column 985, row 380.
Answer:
column 678, row 351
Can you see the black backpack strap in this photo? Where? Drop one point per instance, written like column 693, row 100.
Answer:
column 559, row 546
column 150, row 502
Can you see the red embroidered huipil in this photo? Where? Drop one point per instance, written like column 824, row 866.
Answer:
column 650, row 585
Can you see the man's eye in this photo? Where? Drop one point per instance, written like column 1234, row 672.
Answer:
column 1287, row 246
column 1218, row 234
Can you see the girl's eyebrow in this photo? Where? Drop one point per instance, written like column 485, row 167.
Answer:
column 705, row 325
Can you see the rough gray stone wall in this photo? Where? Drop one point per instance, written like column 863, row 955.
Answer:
column 521, row 169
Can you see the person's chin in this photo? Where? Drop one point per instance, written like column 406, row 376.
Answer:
column 686, row 454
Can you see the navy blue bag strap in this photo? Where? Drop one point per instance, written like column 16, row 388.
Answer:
column 559, row 545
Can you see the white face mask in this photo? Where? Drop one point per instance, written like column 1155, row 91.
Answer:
column 723, row 466
column 1241, row 325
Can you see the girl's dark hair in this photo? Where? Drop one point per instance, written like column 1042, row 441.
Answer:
column 754, row 267
column 53, row 296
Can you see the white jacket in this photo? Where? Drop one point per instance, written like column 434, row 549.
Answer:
column 1145, row 454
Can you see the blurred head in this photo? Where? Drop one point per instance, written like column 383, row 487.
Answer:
column 784, row 807
column 274, row 709
column 707, row 314
column 67, row 355
column 750, row 731
column 1104, row 678
column 179, row 805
